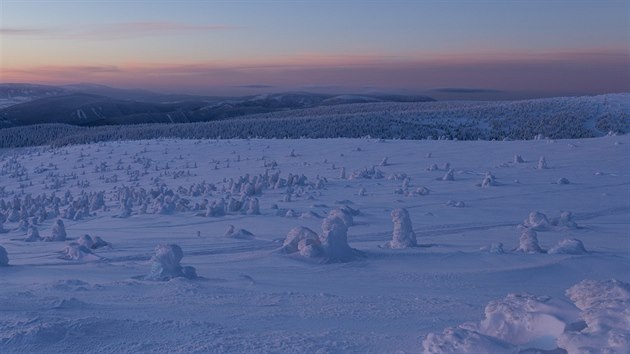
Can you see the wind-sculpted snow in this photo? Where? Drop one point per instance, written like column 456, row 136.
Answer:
column 562, row 117
column 596, row 322
column 307, row 246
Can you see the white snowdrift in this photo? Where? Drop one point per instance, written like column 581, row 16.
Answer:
column 598, row 321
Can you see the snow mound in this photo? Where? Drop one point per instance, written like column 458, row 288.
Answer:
column 528, row 242
column 4, row 257
column 239, row 234
column 598, row 323
column 92, row 243
column 568, row 246
column 605, row 309
column 525, row 319
column 461, row 340
column 166, row 264
column 77, row 252
column 403, row 235
column 494, row 248
column 304, row 241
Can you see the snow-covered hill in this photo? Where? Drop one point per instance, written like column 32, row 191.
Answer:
column 302, row 246
column 561, row 118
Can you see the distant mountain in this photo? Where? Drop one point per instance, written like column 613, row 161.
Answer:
column 91, row 105
column 15, row 93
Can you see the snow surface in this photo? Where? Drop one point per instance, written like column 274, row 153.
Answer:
column 453, row 294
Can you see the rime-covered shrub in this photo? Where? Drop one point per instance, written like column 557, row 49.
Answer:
column 334, row 240
column 58, row 232
column 536, row 221
column 303, row 241
column 568, row 246
column 165, row 264
column 403, row 235
column 528, row 242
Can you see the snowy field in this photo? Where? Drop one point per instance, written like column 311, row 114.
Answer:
column 472, row 268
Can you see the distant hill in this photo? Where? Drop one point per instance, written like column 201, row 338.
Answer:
column 93, row 105
column 557, row 118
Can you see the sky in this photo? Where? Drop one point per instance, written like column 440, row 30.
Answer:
column 459, row 49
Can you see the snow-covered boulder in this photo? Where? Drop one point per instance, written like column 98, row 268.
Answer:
column 568, row 246
column 403, row 235
column 4, row 257
column 166, row 264
column 528, row 242
column 536, row 221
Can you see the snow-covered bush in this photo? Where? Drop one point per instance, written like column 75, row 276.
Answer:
column 568, row 246
column 32, row 235
column 58, row 232
column 344, row 214
column 403, row 235
column 563, row 180
column 528, row 242
column 536, row 221
column 455, row 203
column 565, row 220
column 495, row 248
column 542, row 163
column 334, row 240
column 165, row 264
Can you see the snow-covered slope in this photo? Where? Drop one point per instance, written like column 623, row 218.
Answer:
column 464, row 286
column 561, row 118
